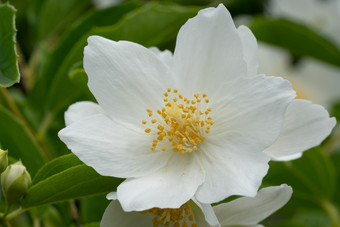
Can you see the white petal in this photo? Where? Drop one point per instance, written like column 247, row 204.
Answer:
column 250, row 211
column 114, row 216
column 249, row 111
column 273, row 61
column 169, row 187
column 230, row 169
column 289, row 157
column 204, row 214
column 125, row 78
column 320, row 80
column 80, row 110
column 208, row 51
column 165, row 56
column 306, row 125
column 249, row 45
column 112, row 196
column 112, row 150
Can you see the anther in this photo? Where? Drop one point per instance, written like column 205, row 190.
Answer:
column 181, row 122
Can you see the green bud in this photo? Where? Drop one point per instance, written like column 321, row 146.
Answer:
column 3, row 160
column 15, row 181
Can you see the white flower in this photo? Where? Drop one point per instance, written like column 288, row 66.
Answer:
column 311, row 79
column 246, row 212
column 192, row 124
column 323, row 16
column 103, row 4
column 306, row 125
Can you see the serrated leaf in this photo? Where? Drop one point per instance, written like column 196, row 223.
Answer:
column 297, row 38
column 9, row 72
column 66, row 179
column 19, row 141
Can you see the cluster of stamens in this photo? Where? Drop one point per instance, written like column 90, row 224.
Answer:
column 182, row 122
column 180, row 217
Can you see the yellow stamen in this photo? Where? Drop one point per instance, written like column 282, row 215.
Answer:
column 181, row 124
column 181, row 216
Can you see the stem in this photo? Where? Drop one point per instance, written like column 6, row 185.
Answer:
column 14, row 213
column 36, row 223
column 44, row 126
column 5, row 223
column 75, row 214
column 332, row 212
column 12, row 106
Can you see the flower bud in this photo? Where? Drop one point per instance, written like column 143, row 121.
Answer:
column 15, row 181
column 3, row 160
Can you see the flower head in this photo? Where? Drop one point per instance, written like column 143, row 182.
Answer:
column 3, row 160
column 15, row 181
column 244, row 211
column 194, row 123
column 305, row 125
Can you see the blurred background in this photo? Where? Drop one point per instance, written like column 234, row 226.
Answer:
column 298, row 40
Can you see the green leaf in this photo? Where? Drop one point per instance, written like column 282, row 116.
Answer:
column 95, row 224
column 298, row 39
column 19, row 141
column 290, row 224
column 66, row 178
column 312, row 218
column 55, row 166
column 313, row 177
column 9, row 72
column 55, row 17
column 92, row 208
column 336, row 162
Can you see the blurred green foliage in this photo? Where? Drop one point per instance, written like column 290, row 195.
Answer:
column 50, row 41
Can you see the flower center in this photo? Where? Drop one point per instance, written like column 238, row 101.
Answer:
column 181, row 124
column 180, row 217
